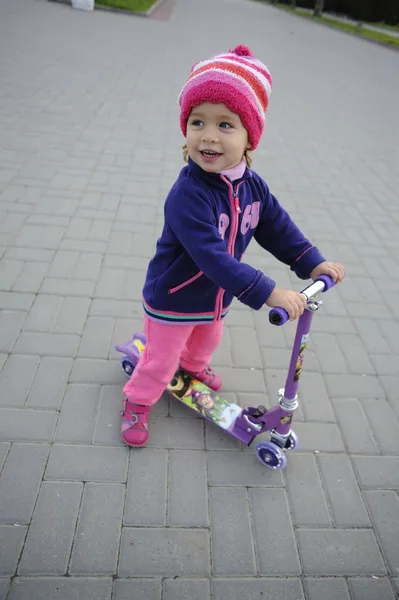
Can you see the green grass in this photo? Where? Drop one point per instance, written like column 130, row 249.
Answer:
column 385, row 26
column 134, row 5
column 383, row 38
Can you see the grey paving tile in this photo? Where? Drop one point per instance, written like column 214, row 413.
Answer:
column 126, row 589
column 187, row 490
column 287, row 588
column 146, row 503
column 366, row 588
column 328, row 588
column 87, row 463
column 163, row 552
column 11, row 543
column 95, row 550
column 49, row 541
column 20, row 482
column 67, row 588
column 339, row 552
column 232, row 542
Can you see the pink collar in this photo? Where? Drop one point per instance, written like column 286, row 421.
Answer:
column 235, row 172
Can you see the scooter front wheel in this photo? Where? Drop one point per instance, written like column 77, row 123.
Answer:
column 271, row 455
column 127, row 365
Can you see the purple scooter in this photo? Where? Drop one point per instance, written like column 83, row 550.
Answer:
column 246, row 424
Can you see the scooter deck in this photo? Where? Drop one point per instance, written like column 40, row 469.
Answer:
column 200, row 398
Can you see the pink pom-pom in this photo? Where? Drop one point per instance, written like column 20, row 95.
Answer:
column 242, row 50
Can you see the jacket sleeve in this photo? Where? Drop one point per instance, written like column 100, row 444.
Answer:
column 278, row 234
column 192, row 220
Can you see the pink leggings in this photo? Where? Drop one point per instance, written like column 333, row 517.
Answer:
column 167, row 346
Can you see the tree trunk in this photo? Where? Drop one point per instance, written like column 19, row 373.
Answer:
column 318, row 8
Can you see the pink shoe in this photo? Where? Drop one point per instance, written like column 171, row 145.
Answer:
column 208, row 377
column 134, row 426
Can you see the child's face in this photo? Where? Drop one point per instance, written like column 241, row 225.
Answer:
column 216, row 138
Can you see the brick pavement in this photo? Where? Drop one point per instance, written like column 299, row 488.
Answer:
column 89, row 144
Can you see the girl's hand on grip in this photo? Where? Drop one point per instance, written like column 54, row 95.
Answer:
column 293, row 302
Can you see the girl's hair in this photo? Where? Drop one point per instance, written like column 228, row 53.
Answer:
column 247, row 156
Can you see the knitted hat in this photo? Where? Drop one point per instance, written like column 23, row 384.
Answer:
column 237, row 79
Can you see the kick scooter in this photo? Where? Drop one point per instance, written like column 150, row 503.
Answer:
column 246, row 424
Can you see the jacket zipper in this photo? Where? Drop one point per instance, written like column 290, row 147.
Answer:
column 235, row 211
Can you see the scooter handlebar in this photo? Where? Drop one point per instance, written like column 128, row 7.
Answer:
column 278, row 316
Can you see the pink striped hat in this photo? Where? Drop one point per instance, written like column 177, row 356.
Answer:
column 236, row 78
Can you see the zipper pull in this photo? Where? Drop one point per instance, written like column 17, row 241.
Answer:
column 237, row 202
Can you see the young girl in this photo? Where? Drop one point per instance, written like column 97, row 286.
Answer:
column 212, row 212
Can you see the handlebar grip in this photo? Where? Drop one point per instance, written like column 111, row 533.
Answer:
column 278, row 316
column 328, row 282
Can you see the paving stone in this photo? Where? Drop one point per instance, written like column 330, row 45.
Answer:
column 167, row 432
column 30, row 277
column 339, row 552
column 49, row 344
column 65, row 287
column 380, row 472
column 20, row 482
column 181, row 589
column 245, row 349
column 96, row 548
column 102, row 372
column 390, row 331
column 274, row 537
column 385, row 364
column 355, row 354
column 49, row 384
column 326, row 588
column 384, row 424
column 88, row 266
column 306, row 495
column 240, row 468
column 17, row 425
column 49, row 541
column 359, row 439
column 329, row 353
column 352, row 386
column 343, row 493
column 325, row 324
column 127, row 589
column 384, row 511
column 107, row 425
column 60, row 588
column 11, row 323
column 16, row 379
column 4, row 586
column 241, row 380
column 72, row 315
column 87, row 463
column 11, row 543
column 314, row 399
column 16, row 301
column 319, row 437
column 187, row 498
column 63, row 264
column 164, row 552
column 287, row 588
column 4, row 449
column 114, row 308
column 390, row 385
column 372, row 336
column 9, row 271
column 232, row 542
column 96, row 337
column 366, row 588
column 78, row 414
column 146, row 504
